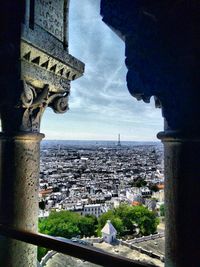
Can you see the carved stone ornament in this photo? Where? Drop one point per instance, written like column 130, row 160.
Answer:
column 34, row 49
column 162, row 54
column 33, row 103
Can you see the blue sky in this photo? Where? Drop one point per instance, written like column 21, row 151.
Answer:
column 100, row 104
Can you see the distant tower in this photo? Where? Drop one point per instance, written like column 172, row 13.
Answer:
column 119, row 142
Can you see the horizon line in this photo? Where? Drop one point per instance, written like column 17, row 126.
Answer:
column 96, row 140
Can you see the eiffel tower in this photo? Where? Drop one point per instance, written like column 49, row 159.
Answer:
column 119, row 142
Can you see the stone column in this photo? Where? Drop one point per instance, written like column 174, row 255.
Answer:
column 162, row 57
column 35, row 73
column 182, row 191
column 19, row 168
column 19, row 184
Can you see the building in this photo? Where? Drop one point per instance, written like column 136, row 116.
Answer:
column 109, row 232
column 162, row 56
column 94, row 209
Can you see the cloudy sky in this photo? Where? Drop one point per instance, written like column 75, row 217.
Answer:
column 100, row 104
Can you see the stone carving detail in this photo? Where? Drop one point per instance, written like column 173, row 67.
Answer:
column 60, row 105
column 33, row 103
column 50, row 16
column 27, row 96
column 161, row 54
column 35, row 51
column 69, row 70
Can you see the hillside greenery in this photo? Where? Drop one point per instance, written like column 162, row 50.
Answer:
column 66, row 224
column 126, row 219
column 130, row 220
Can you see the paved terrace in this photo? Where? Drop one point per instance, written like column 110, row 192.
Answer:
column 61, row 260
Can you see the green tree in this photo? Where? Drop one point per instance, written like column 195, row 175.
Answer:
column 128, row 218
column 145, row 219
column 162, row 210
column 41, row 252
column 66, row 224
column 124, row 212
column 87, row 225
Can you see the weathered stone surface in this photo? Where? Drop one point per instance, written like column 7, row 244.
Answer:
column 162, row 54
column 44, row 53
column 19, row 185
column 162, row 57
column 50, row 16
column 28, row 111
column 35, row 72
column 39, row 68
column 36, row 58
column 182, row 192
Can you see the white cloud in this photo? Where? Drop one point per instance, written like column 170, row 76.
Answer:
column 100, row 104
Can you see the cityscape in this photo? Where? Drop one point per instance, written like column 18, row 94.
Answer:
column 94, row 187
column 91, row 178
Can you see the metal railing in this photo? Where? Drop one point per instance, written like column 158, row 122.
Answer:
column 90, row 254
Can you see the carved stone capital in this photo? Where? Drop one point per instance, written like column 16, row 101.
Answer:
column 26, row 115
column 36, row 68
column 33, row 103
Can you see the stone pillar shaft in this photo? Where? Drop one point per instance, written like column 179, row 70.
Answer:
column 162, row 57
column 182, row 191
column 19, row 183
column 35, row 73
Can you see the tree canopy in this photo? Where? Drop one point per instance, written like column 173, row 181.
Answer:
column 124, row 218
column 162, row 210
column 127, row 218
column 68, row 224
